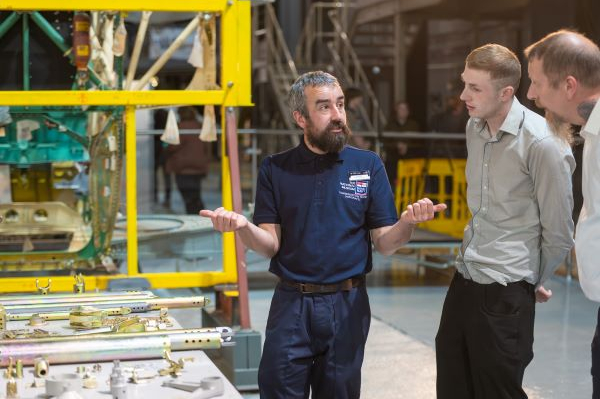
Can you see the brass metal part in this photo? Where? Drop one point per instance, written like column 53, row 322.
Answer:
column 83, row 317
column 90, row 381
column 11, row 389
column 38, row 383
column 25, row 333
column 19, row 369
column 37, row 320
column 164, row 314
column 133, row 324
column 40, row 367
column 9, row 370
column 138, row 377
column 2, row 318
column 79, row 286
column 175, row 367
column 43, row 290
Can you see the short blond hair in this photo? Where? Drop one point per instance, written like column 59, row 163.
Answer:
column 501, row 63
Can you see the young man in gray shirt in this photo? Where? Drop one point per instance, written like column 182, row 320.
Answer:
column 519, row 193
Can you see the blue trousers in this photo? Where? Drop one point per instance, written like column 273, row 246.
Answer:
column 596, row 360
column 314, row 342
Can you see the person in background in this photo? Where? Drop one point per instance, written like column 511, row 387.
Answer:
column 395, row 149
column 564, row 69
column 453, row 119
column 189, row 161
column 356, row 122
column 160, row 159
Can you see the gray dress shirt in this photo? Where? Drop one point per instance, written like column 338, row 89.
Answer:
column 521, row 201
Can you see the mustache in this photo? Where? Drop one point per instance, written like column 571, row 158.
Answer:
column 337, row 124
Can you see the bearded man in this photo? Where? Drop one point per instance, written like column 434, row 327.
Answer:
column 318, row 209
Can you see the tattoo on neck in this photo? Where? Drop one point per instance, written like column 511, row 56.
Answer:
column 585, row 109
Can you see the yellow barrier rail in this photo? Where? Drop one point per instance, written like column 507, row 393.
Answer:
column 441, row 180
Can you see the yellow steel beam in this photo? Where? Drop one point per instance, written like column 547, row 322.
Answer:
column 131, row 177
column 236, row 76
column 229, row 258
column 156, row 280
column 111, row 97
column 129, row 5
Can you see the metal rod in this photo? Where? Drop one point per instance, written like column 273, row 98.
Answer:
column 137, row 48
column 74, row 299
column 108, row 347
column 26, row 77
column 136, row 305
column 162, row 60
column 50, row 298
column 8, row 23
column 64, row 315
column 236, row 192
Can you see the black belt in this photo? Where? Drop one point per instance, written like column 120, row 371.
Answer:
column 311, row 288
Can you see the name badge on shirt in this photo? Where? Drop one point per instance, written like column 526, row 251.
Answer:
column 360, row 181
column 356, row 176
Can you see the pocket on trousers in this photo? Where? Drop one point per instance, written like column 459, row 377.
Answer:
column 501, row 309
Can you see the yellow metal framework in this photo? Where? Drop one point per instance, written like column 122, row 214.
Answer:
column 235, row 33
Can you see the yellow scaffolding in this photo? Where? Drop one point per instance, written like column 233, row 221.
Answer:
column 235, row 32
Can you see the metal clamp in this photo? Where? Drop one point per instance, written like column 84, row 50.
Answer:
column 43, row 290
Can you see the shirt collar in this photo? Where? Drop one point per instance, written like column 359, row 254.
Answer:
column 512, row 123
column 305, row 155
column 514, row 120
column 592, row 125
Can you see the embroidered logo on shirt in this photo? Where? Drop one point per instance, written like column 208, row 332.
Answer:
column 360, row 188
column 357, row 187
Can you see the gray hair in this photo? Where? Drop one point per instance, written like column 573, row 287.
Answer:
column 297, row 98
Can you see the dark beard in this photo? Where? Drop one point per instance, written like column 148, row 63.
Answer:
column 327, row 141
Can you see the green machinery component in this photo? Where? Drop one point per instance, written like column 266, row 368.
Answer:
column 60, row 167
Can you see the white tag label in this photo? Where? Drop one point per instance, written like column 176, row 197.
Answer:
column 360, row 177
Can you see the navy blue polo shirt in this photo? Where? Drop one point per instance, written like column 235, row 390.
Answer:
column 325, row 205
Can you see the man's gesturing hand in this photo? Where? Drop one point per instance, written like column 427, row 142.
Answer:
column 224, row 220
column 421, row 211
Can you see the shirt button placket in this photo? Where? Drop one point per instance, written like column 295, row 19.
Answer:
column 485, row 177
column 319, row 179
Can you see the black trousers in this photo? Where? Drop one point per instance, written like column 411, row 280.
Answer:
column 596, row 360
column 191, row 191
column 485, row 340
